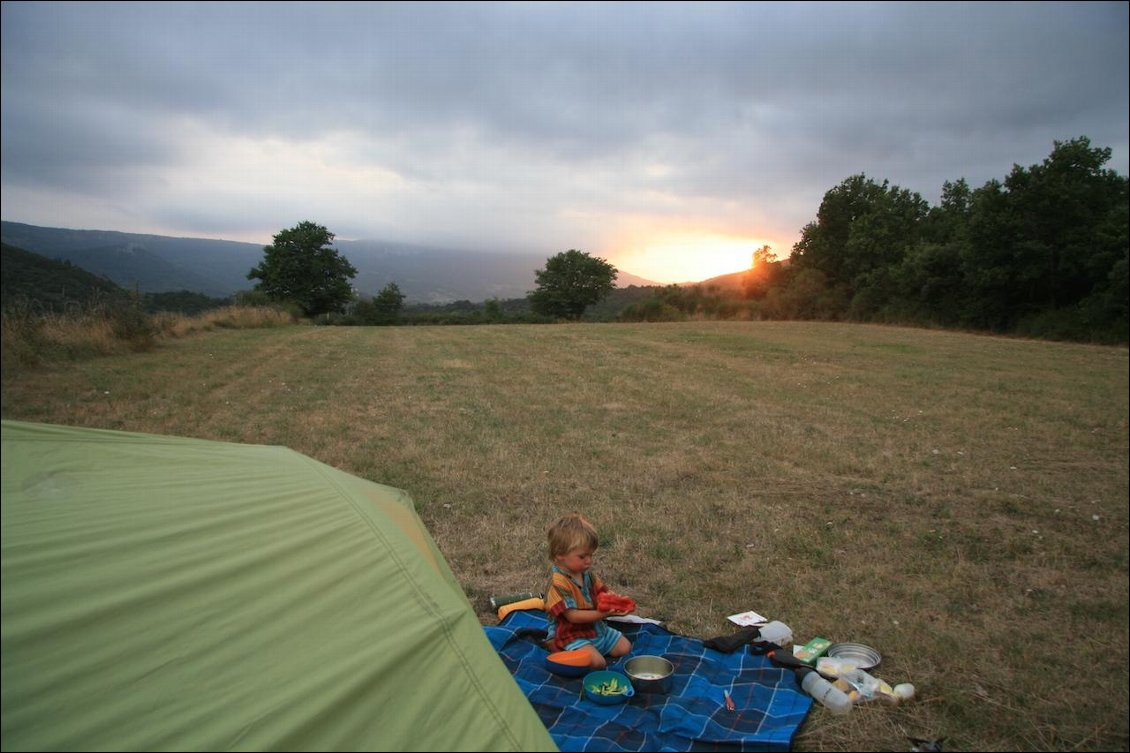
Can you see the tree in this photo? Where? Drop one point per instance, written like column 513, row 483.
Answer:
column 571, row 282
column 388, row 303
column 492, row 310
column 383, row 308
column 302, row 267
column 762, row 273
column 949, row 221
column 1048, row 239
column 862, row 232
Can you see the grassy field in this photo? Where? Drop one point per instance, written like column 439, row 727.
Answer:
column 956, row 501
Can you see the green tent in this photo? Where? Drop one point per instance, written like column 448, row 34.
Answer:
column 163, row 593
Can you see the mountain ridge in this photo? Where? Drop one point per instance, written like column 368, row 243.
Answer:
column 216, row 267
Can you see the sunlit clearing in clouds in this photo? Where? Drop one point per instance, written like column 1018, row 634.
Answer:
column 688, row 257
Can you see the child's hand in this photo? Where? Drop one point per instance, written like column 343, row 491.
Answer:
column 614, row 604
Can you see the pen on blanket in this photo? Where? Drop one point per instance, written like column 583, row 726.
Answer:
column 729, row 700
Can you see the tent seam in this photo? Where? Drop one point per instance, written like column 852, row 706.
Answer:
column 420, row 597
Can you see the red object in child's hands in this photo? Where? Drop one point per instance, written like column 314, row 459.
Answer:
column 606, row 601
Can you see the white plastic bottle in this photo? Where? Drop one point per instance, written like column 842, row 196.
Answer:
column 828, row 695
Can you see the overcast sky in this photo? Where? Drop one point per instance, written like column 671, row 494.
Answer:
column 671, row 139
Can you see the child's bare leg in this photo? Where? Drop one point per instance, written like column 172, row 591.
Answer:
column 622, row 647
column 596, row 660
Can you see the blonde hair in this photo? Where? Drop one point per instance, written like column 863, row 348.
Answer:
column 569, row 533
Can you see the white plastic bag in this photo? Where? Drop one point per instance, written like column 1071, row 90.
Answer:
column 865, row 687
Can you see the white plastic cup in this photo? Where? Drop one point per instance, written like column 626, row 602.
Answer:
column 776, row 632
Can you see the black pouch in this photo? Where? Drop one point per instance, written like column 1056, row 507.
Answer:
column 728, row 644
column 762, row 647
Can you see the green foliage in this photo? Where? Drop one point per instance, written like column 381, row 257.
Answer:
column 257, row 299
column 301, row 266
column 1043, row 253
column 34, row 282
column 38, row 290
column 389, row 301
column 492, row 311
column 930, row 278
column 675, row 303
column 183, row 302
column 862, row 232
column 609, row 308
column 1047, row 238
column 805, row 294
column 763, row 274
column 130, row 323
column 383, row 309
column 654, row 309
column 571, row 282
column 101, row 326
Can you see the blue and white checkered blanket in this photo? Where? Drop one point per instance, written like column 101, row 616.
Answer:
column 769, row 706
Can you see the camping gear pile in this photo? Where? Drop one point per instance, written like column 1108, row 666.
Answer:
column 768, row 706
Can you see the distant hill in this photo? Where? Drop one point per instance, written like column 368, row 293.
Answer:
column 36, row 284
column 155, row 263
column 151, row 263
column 627, row 280
column 735, row 281
column 46, row 285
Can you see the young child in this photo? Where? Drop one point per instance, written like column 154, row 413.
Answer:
column 573, row 594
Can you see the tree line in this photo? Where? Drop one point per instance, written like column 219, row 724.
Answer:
column 1042, row 253
column 302, row 269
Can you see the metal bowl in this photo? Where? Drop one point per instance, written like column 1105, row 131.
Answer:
column 650, row 674
column 863, row 657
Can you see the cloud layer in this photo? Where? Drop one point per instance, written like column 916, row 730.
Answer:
column 533, row 127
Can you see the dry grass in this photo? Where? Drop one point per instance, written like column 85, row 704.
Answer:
column 958, row 502
column 31, row 340
column 227, row 317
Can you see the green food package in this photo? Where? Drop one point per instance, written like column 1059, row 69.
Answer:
column 811, row 651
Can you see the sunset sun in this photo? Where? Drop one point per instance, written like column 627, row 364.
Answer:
column 689, row 257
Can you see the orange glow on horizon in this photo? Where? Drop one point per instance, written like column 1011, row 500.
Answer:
column 689, row 257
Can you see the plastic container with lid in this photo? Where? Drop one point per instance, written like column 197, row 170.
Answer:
column 776, row 632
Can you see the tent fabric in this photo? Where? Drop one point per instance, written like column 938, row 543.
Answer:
column 164, row 593
column 769, row 705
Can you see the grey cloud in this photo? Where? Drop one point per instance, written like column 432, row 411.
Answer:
column 89, row 149
column 770, row 103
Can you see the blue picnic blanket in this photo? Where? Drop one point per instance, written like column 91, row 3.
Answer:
column 769, row 706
